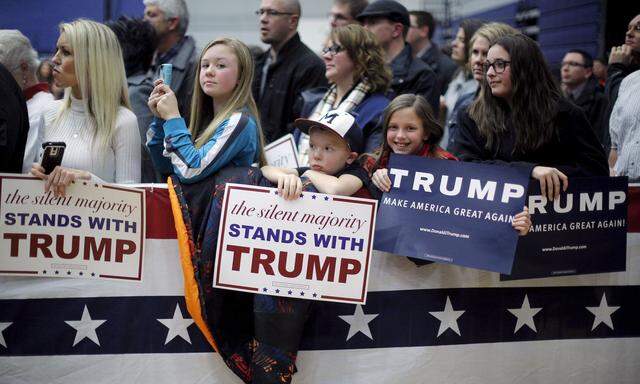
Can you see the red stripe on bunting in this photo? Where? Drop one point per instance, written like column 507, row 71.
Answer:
column 633, row 212
column 160, row 224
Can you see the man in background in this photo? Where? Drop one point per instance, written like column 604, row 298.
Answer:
column 389, row 21
column 170, row 19
column 581, row 87
column 344, row 12
column 287, row 68
column 421, row 29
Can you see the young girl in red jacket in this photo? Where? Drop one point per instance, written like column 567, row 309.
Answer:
column 409, row 128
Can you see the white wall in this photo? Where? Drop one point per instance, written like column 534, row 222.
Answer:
column 214, row 18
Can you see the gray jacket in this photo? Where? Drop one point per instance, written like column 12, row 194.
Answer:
column 184, row 71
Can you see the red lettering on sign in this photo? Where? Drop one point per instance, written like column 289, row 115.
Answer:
column 348, row 267
column 258, row 260
column 15, row 241
column 328, row 268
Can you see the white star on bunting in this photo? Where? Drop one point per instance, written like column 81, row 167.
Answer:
column 177, row 326
column 86, row 327
column 3, row 326
column 525, row 315
column 359, row 322
column 602, row 313
column 448, row 318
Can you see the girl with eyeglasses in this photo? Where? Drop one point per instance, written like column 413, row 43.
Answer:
column 479, row 45
column 520, row 118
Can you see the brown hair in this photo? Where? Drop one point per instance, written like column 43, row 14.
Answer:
column 423, row 110
column 368, row 57
column 535, row 97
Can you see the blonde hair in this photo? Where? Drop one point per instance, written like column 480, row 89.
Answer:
column 367, row 55
column 203, row 122
column 100, row 74
column 492, row 32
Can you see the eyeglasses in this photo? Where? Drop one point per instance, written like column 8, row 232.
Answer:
column 572, row 64
column 271, row 12
column 498, row 66
column 334, row 49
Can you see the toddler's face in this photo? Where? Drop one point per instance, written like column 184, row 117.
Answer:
column 328, row 152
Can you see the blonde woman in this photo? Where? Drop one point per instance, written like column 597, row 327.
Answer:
column 93, row 118
column 223, row 129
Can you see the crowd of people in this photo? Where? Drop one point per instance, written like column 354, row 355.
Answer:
column 380, row 86
column 494, row 97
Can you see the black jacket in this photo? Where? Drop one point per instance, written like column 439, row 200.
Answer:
column 595, row 105
column 412, row 75
column 297, row 68
column 441, row 64
column 14, row 123
column 574, row 149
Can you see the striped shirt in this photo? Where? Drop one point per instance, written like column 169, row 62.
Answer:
column 234, row 142
column 624, row 127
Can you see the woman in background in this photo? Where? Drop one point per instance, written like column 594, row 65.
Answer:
column 17, row 55
column 463, row 81
column 359, row 81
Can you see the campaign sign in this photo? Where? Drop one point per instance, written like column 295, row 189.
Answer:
column 583, row 231
column 282, row 153
column 317, row 247
column 452, row 212
column 94, row 231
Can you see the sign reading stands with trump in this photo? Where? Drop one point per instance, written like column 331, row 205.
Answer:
column 93, row 231
column 317, row 247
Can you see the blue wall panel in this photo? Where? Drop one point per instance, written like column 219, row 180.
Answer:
column 39, row 20
column 564, row 25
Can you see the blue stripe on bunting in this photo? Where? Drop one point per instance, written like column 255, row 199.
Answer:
column 403, row 320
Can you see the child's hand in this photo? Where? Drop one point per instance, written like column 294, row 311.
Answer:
column 381, row 180
column 289, row 186
column 154, row 97
column 522, row 222
column 163, row 102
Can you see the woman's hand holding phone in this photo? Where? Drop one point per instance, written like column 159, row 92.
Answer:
column 59, row 178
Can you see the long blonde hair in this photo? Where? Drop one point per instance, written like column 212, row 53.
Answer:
column 100, row 73
column 203, row 122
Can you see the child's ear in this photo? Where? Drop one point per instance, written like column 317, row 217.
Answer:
column 352, row 157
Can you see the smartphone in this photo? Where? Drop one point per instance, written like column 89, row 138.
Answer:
column 166, row 70
column 52, row 155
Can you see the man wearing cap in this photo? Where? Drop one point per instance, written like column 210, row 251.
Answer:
column 286, row 69
column 389, row 21
column 421, row 30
